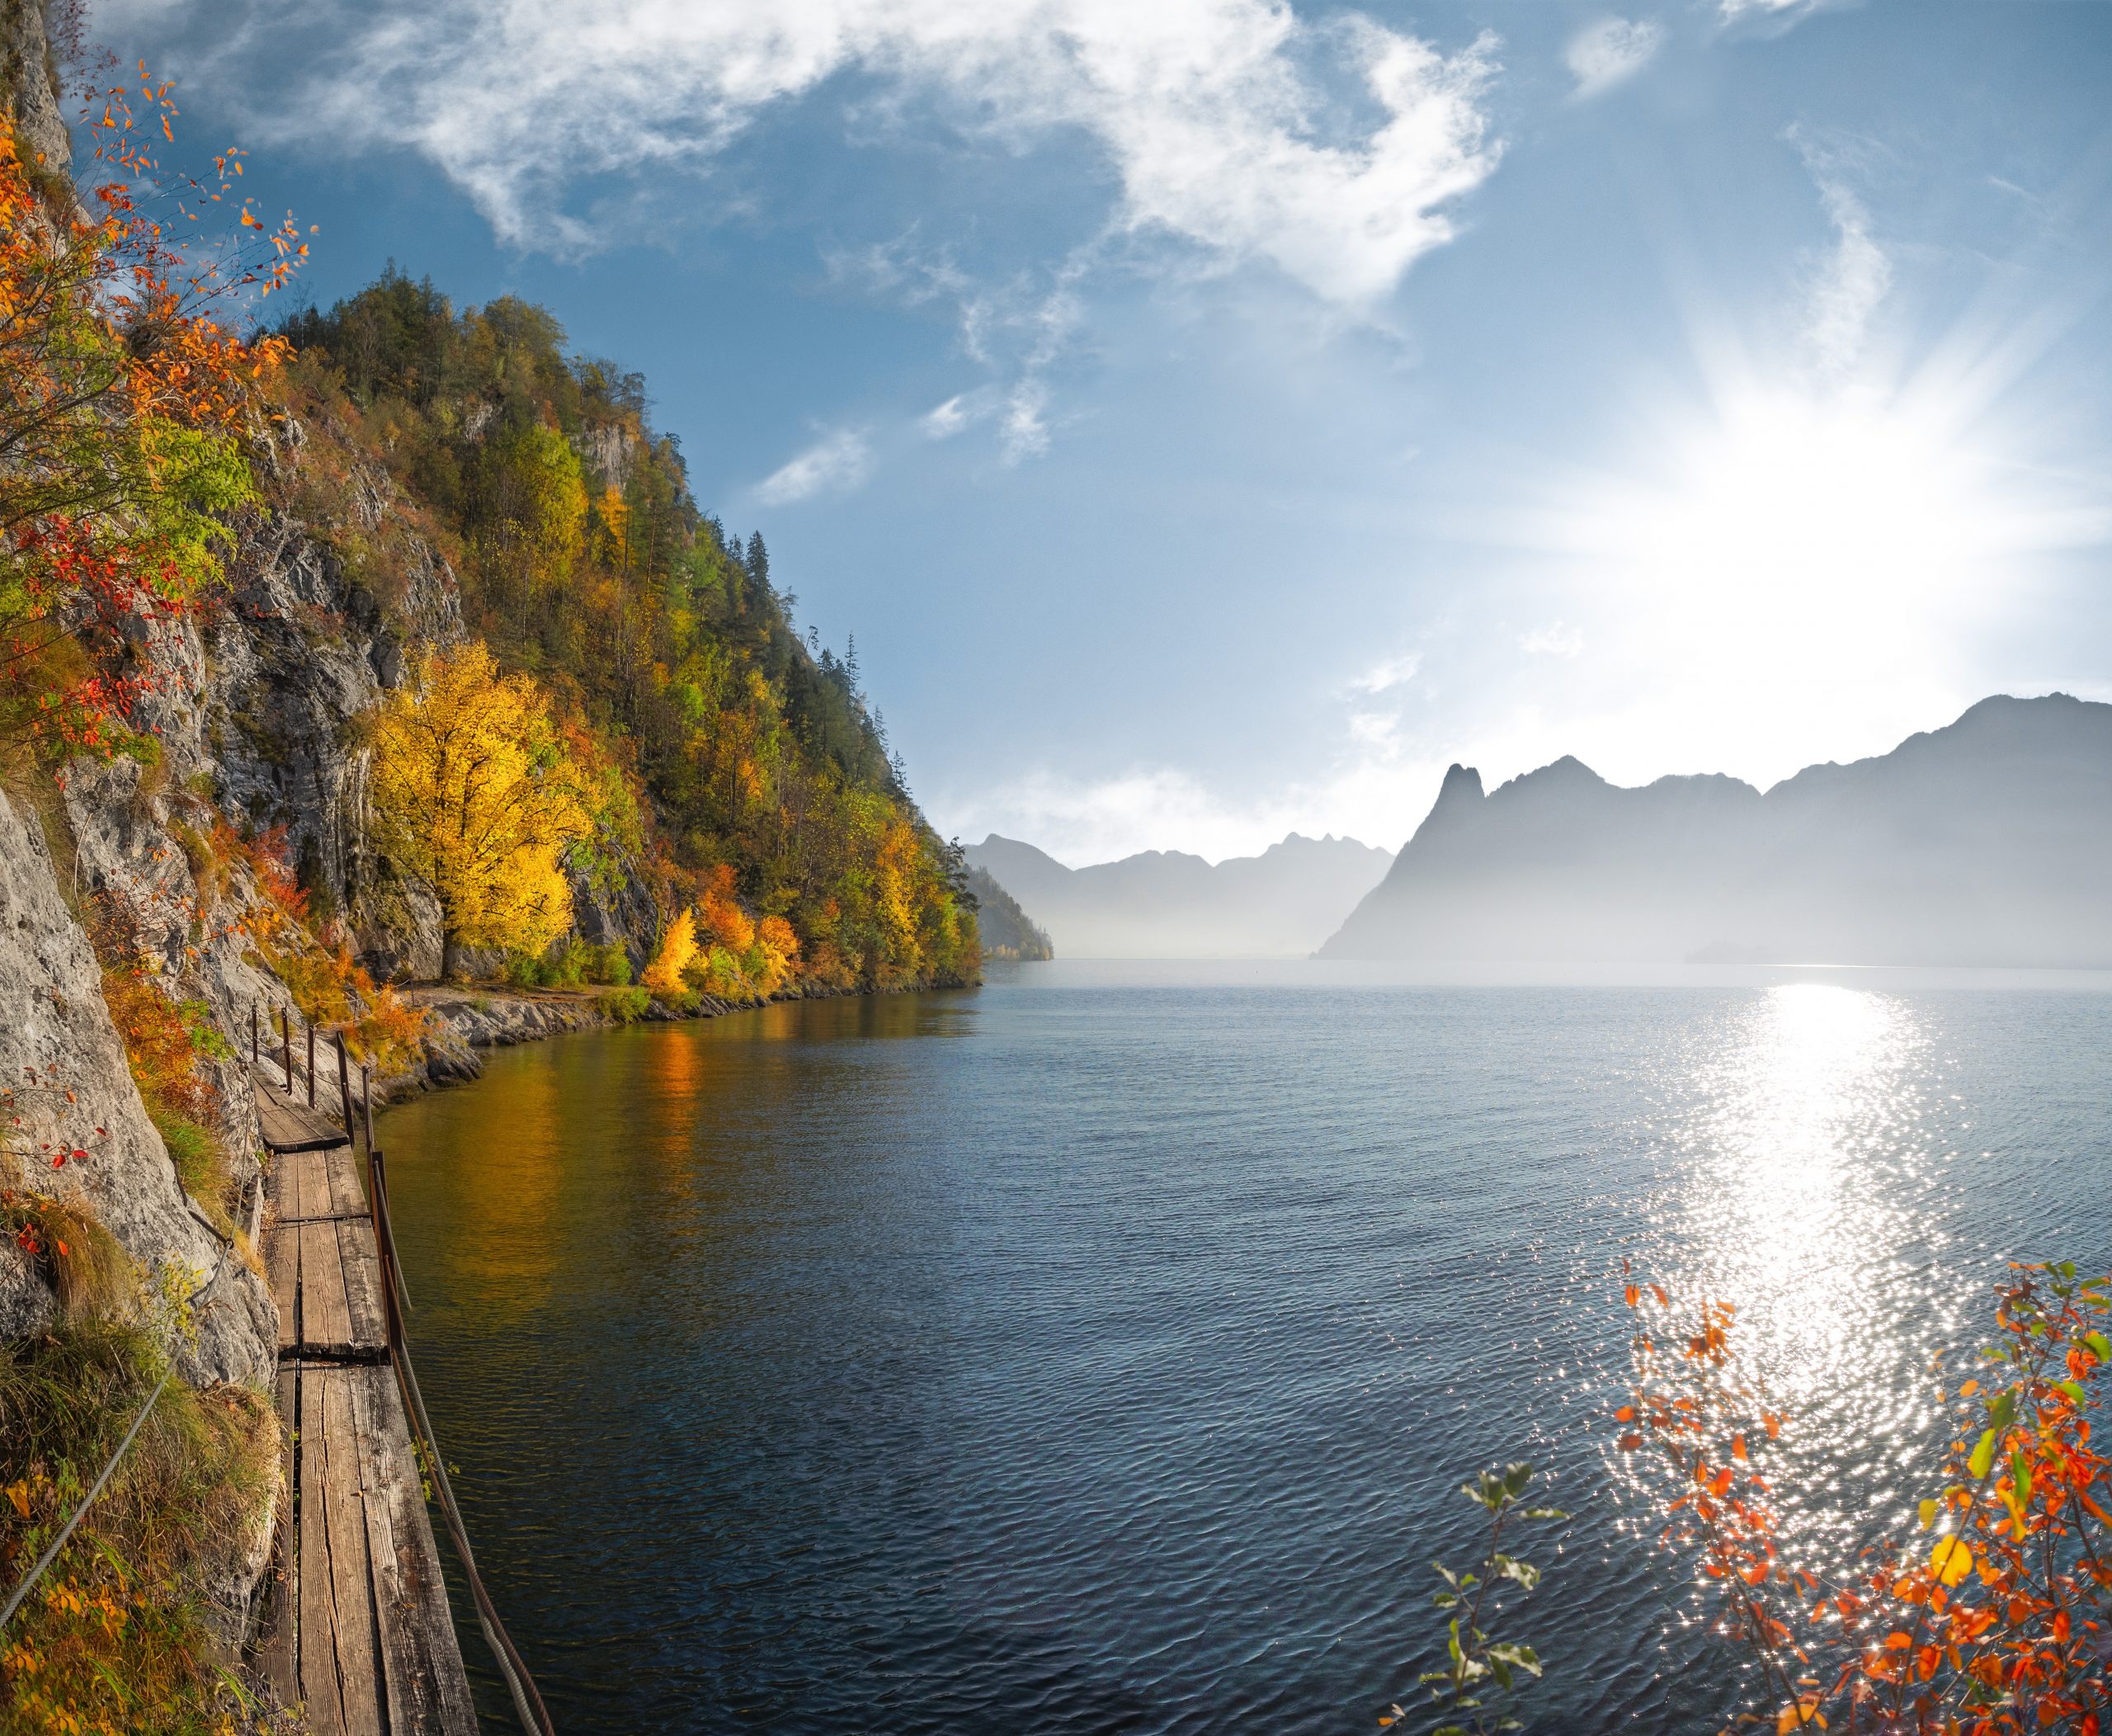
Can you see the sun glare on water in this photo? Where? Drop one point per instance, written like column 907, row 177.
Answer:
column 1813, row 1178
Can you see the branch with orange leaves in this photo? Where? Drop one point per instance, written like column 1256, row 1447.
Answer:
column 125, row 390
column 2006, row 1626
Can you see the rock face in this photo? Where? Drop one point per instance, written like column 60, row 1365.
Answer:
column 75, row 1092
column 302, row 650
column 1163, row 904
column 30, row 80
column 1981, row 843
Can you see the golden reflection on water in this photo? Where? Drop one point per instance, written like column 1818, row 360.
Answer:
column 508, row 1183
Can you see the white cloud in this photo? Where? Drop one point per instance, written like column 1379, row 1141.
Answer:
column 1025, row 423
column 1553, row 640
column 1604, row 53
column 1734, row 10
column 1854, row 278
column 835, row 464
column 948, row 419
column 1385, row 676
column 1331, row 150
column 1771, row 16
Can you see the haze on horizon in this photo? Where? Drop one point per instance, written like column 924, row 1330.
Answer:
column 1212, row 424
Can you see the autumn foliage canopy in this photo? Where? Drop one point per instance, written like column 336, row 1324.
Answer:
column 476, row 800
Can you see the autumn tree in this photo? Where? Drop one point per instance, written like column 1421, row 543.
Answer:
column 476, row 800
column 125, row 391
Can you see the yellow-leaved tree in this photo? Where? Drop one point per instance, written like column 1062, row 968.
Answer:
column 475, row 799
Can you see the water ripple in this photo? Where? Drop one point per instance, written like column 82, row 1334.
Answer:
column 1089, row 1358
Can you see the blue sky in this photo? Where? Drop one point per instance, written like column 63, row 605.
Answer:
column 1213, row 418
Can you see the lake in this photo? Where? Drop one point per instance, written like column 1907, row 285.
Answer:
column 1102, row 1350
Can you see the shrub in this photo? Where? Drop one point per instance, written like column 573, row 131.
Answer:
column 1994, row 1621
column 677, row 947
column 202, row 1165
column 623, row 1006
column 328, row 985
column 113, row 1640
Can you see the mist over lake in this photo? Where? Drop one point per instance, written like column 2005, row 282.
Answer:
column 1101, row 1350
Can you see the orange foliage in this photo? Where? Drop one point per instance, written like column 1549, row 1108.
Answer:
column 329, row 986
column 723, row 919
column 1997, row 1625
column 161, row 1041
column 121, row 392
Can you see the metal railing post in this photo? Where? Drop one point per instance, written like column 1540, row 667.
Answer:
column 344, row 1095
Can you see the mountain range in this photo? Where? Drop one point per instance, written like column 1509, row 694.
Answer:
column 1163, row 904
column 1988, row 842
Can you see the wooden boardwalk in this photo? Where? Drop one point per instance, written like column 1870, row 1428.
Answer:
column 357, row 1631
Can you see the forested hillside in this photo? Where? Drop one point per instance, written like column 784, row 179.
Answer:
column 733, row 768
column 1008, row 931
column 330, row 657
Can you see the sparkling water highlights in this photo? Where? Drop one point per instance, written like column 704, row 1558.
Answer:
column 1089, row 1354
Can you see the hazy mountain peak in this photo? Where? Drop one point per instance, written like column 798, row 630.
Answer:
column 1980, row 842
column 1168, row 904
column 1567, row 773
column 1462, row 784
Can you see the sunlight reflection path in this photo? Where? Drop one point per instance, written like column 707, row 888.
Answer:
column 1812, row 1199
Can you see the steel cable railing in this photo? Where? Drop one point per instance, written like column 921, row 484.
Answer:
column 36, row 1572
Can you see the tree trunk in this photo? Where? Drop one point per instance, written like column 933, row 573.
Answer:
column 451, row 956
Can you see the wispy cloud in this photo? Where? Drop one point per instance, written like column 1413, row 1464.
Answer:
column 1332, row 150
column 1553, row 640
column 1611, row 51
column 1854, row 278
column 942, row 421
column 1737, row 11
column 1388, row 674
column 835, row 464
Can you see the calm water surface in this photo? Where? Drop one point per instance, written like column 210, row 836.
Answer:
column 1088, row 1354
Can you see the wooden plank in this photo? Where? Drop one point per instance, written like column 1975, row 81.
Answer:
column 277, row 1653
column 428, row 1691
column 320, row 1691
column 287, row 1124
column 282, row 1265
column 352, row 1568
column 298, row 1188
column 360, row 1269
column 326, row 1321
column 347, row 1191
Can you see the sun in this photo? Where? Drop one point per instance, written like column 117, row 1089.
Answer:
column 1847, row 497
column 1794, row 567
